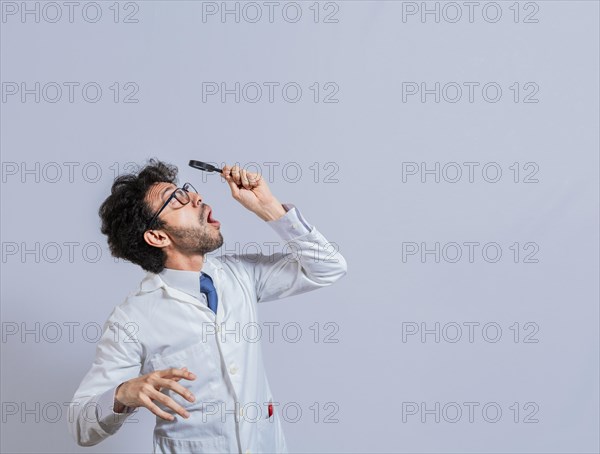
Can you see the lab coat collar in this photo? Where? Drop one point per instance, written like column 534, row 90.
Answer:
column 181, row 284
column 186, row 281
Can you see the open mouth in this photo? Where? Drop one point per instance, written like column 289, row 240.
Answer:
column 211, row 220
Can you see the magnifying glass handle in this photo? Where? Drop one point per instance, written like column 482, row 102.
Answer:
column 204, row 166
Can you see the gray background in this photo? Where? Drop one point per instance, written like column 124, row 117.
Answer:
column 369, row 210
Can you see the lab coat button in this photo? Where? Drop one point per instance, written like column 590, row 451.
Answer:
column 233, row 370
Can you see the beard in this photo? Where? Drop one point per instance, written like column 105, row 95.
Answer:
column 195, row 240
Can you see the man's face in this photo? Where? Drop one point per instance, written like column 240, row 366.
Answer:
column 191, row 227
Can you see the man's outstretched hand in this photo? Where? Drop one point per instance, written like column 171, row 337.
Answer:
column 141, row 391
column 252, row 191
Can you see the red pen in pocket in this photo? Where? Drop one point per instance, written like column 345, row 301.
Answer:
column 270, row 410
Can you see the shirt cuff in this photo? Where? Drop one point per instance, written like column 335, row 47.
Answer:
column 292, row 224
column 110, row 420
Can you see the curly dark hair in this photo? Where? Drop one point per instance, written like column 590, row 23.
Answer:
column 125, row 214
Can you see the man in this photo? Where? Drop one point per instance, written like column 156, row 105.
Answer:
column 177, row 346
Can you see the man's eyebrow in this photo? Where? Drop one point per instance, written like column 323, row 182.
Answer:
column 163, row 192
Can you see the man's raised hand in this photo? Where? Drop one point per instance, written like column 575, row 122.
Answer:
column 252, row 191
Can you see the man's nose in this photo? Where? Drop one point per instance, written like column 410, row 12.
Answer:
column 197, row 199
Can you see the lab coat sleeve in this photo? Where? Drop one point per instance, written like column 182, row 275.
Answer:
column 118, row 359
column 308, row 260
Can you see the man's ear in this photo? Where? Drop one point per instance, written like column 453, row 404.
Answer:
column 157, row 238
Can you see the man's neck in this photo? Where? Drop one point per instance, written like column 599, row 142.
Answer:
column 185, row 263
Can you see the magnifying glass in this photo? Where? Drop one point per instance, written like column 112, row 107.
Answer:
column 204, row 166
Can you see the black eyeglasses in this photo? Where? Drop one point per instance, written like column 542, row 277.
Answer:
column 180, row 195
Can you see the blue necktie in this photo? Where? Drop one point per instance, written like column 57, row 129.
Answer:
column 208, row 288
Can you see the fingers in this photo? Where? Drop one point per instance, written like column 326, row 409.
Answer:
column 146, row 402
column 174, row 372
column 235, row 190
column 179, row 378
column 249, row 179
column 184, row 392
column 242, row 178
column 168, row 402
column 254, row 179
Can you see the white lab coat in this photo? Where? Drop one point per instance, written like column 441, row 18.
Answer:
column 167, row 323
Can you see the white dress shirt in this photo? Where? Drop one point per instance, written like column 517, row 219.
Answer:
column 167, row 323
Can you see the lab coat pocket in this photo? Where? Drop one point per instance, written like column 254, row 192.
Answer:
column 199, row 358
column 215, row 444
column 267, row 435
